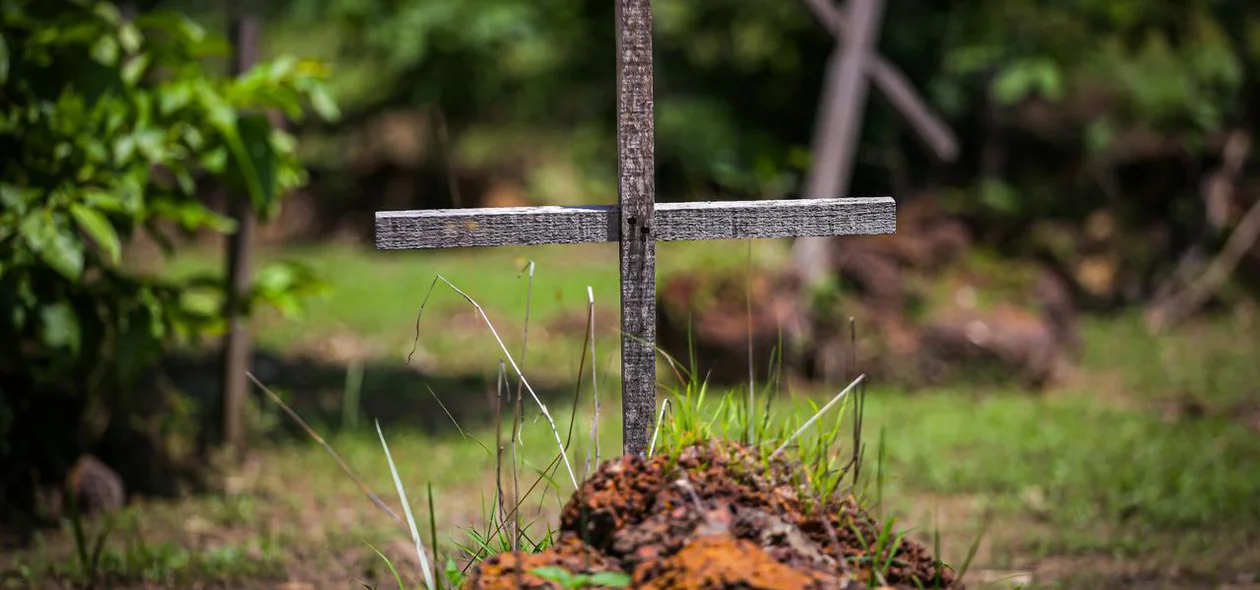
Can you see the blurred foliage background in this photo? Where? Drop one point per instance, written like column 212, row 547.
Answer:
column 1090, row 130
column 1117, row 109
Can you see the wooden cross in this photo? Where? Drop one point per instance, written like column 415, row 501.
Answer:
column 636, row 224
column 852, row 63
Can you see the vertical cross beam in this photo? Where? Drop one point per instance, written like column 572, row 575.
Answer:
column 636, row 189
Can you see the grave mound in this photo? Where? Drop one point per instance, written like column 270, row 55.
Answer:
column 716, row 515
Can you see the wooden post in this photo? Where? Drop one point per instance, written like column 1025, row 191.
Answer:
column 237, row 346
column 636, row 186
column 840, row 120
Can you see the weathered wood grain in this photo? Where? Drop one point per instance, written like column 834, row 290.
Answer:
column 716, row 220
column 636, row 191
column 495, row 226
column 719, row 220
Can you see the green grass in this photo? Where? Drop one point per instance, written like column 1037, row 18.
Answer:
column 1083, row 484
column 374, row 296
column 131, row 556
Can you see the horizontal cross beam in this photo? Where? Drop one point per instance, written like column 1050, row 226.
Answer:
column 714, row 220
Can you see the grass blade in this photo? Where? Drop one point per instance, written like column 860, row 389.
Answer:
column 411, row 520
column 373, row 496
column 462, row 433
column 835, row 400
column 433, row 538
column 511, row 360
column 657, row 430
column 590, row 328
column 975, row 544
column 390, row 565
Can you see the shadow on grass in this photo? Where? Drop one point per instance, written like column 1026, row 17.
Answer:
column 153, row 446
column 321, row 392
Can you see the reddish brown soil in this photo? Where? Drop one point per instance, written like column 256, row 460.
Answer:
column 716, row 516
column 510, row 571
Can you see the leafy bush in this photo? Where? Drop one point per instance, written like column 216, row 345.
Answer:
column 109, row 129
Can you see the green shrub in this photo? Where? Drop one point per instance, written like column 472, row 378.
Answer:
column 109, row 129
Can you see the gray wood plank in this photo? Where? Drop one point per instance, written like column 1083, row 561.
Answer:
column 718, row 220
column 495, row 226
column 636, row 191
column 715, row 220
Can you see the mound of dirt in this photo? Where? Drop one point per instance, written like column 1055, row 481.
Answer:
column 716, row 516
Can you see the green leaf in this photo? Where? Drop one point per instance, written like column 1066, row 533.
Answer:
column 453, row 574
column 102, row 200
column 611, row 579
column 99, row 228
column 105, row 51
column 174, row 24
column 124, row 149
column 323, row 103
column 280, row 68
column 215, row 160
column 54, row 242
column 1013, row 84
column 130, row 37
column 192, row 215
column 64, row 253
column 186, row 182
column 221, row 114
column 59, row 326
column 151, row 143
column 553, row 573
column 174, row 97
column 107, row 12
column 134, row 69
column 11, row 197
column 153, row 306
column 257, row 160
